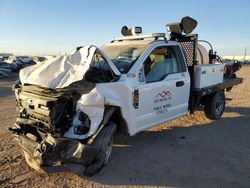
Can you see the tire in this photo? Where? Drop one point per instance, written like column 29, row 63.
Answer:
column 215, row 105
column 104, row 142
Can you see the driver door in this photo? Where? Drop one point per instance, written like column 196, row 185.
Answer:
column 165, row 93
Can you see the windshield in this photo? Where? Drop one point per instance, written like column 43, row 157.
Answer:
column 124, row 56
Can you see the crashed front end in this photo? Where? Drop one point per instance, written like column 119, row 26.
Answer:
column 44, row 117
column 59, row 113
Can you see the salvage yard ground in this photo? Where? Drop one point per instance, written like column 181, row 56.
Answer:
column 191, row 151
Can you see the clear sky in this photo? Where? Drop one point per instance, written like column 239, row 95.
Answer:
column 53, row 26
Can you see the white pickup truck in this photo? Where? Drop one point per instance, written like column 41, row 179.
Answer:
column 70, row 107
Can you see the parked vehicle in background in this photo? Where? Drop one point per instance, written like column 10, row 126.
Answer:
column 12, row 63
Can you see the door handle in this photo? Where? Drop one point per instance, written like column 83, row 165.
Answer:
column 180, row 83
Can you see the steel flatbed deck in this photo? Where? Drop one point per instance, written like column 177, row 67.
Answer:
column 197, row 94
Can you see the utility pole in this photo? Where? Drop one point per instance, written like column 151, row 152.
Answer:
column 245, row 54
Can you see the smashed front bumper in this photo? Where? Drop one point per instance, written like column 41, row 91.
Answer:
column 55, row 154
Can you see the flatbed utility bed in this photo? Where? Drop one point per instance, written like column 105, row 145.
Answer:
column 230, row 82
column 197, row 94
column 226, row 84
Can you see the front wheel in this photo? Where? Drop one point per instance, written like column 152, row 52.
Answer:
column 215, row 105
column 104, row 142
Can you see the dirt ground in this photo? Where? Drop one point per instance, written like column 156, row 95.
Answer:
column 191, row 151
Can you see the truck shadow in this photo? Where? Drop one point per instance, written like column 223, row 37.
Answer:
column 210, row 155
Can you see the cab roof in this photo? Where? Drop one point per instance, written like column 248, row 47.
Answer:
column 148, row 39
column 127, row 42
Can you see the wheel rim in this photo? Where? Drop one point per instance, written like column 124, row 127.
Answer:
column 108, row 150
column 219, row 105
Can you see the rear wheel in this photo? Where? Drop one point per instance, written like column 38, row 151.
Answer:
column 104, row 142
column 215, row 105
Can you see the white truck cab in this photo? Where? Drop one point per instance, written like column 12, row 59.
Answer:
column 156, row 86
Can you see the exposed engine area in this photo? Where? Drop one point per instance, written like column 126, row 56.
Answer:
column 49, row 110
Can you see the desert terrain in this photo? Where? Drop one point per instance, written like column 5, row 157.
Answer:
column 191, row 151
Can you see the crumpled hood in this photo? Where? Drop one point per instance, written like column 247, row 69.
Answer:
column 61, row 71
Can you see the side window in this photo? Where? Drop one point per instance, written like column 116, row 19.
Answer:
column 99, row 62
column 161, row 62
column 99, row 71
